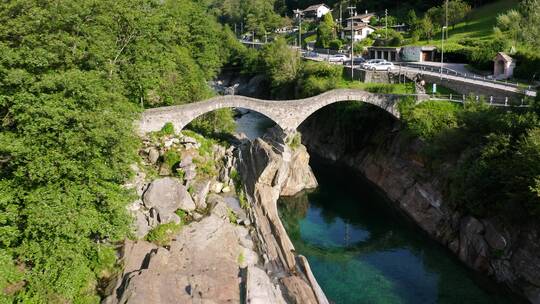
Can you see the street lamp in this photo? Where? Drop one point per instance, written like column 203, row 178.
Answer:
column 299, row 14
column 442, row 50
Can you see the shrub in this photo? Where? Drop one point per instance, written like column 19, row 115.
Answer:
column 171, row 158
column 527, row 65
column 431, row 118
column 295, row 141
column 335, row 44
column 232, row 216
column 163, row 234
column 167, row 129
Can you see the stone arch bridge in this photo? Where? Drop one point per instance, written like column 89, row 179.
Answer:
column 288, row 114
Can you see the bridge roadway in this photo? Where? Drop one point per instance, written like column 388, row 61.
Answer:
column 288, row 114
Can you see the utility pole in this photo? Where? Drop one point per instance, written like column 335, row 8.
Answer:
column 445, row 28
column 351, row 11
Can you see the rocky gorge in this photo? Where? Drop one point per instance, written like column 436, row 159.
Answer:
column 508, row 253
column 206, row 227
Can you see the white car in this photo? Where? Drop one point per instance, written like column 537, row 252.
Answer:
column 368, row 65
column 338, row 58
column 382, row 66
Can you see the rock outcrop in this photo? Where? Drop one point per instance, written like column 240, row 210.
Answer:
column 508, row 253
column 214, row 258
column 270, row 168
column 200, row 266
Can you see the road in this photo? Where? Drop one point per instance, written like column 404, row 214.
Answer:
column 451, row 71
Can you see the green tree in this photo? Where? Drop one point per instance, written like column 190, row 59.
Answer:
column 325, row 31
column 281, row 62
column 457, row 11
column 426, row 28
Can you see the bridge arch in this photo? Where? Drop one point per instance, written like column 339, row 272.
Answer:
column 288, row 114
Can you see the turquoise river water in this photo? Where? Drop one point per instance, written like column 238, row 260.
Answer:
column 361, row 250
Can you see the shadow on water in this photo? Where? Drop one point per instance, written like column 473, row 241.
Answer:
column 362, row 250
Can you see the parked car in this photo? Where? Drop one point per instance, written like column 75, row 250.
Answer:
column 357, row 61
column 309, row 54
column 382, row 66
column 338, row 58
column 368, row 65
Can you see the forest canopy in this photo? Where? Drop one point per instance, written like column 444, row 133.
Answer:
column 73, row 77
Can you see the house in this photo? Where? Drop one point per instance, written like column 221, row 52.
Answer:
column 503, row 66
column 359, row 19
column 316, row 11
column 359, row 32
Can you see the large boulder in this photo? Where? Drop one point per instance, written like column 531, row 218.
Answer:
column 166, row 195
column 200, row 191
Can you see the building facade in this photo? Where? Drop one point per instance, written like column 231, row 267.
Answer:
column 316, row 11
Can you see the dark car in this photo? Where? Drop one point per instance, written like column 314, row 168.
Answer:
column 356, row 61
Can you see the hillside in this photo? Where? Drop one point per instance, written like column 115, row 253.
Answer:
column 478, row 25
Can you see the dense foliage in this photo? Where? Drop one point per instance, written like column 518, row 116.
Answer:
column 72, row 75
column 258, row 16
column 495, row 155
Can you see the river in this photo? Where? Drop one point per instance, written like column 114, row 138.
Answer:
column 362, row 250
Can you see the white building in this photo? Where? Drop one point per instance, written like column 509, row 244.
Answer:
column 359, row 32
column 504, row 66
column 316, row 11
column 359, row 19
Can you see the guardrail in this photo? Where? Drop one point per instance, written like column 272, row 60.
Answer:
column 495, row 101
column 447, row 71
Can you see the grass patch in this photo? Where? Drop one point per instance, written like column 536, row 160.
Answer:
column 383, row 88
column 232, row 216
column 241, row 258
column 163, row 234
column 478, row 25
column 441, row 90
column 182, row 215
column 171, row 158
column 295, row 141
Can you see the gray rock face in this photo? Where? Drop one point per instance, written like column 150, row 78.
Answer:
column 472, row 247
column 270, row 168
column 202, row 266
column 166, row 195
column 260, row 289
column 495, row 239
column 153, row 155
column 200, row 191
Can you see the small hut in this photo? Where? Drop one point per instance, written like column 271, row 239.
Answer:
column 503, row 66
